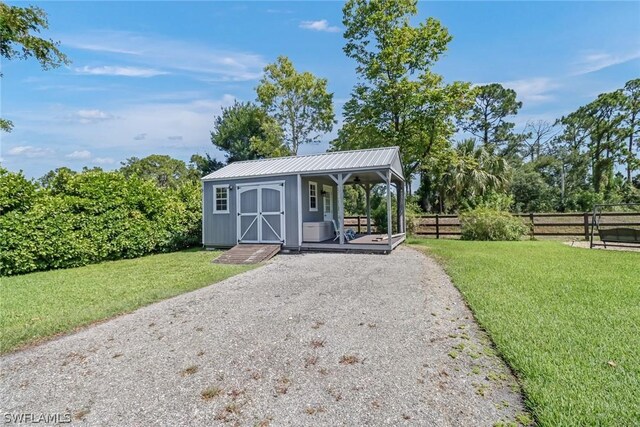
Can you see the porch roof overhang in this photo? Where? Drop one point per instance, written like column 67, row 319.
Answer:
column 360, row 177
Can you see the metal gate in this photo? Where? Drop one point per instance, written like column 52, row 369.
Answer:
column 260, row 213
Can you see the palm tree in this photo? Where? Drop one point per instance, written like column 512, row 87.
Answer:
column 473, row 172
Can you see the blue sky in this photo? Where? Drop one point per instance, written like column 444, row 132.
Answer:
column 150, row 77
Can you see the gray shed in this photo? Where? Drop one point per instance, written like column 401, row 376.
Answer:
column 298, row 201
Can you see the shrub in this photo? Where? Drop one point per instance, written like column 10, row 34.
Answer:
column 412, row 213
column 484, row 223
column 379, row 216
column 16, row 192
column 91, row 217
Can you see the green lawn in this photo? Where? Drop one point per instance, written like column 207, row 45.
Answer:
column 567, row 321
column 37, row 305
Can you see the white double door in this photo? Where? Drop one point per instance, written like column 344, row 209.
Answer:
column 261, row 217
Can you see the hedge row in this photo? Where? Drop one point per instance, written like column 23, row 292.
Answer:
column 89, row 217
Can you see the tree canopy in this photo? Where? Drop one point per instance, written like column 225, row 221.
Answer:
column 487, row 118
column 243, row 130
column 164, row 171
column 300, row 104
column 398, row 100
column 18, row 40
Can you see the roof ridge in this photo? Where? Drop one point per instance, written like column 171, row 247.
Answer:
column 316, row 154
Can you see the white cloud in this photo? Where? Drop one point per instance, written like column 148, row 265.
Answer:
column 79, row 155
column 29, row 151
column 91, row 116
column 158, row 55
column 189, row 119
column 533, row 90
column 124, row 71
column 104, row 160
column 175, row 138
column 596, row 61
column 321, row 25
column 109, row 144
column 96, row 47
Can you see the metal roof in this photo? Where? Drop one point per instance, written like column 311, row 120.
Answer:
column 335, row 161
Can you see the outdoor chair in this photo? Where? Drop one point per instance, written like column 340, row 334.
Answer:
column 348, row 234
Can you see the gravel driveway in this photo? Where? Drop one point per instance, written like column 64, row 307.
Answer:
column 312, row 339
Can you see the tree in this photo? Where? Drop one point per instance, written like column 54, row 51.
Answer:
column 538, row 134
column 486, row 120
column 17, row 41
column 242, row 130
column 530, row 191
column 204, row 164
column 299, row 102
column 631, row 123
column 56, row 179
column 568, row 148
column 471, row 173
column 397, row 100
column 164, row 171
column 600, row 121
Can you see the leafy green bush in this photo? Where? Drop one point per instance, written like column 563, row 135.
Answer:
column 16, row 191
column 379, row 216
column 485, row 223
column 412, row 212
column 93, row 216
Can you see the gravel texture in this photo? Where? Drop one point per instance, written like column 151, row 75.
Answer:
column 611, row 247
column 311, row 339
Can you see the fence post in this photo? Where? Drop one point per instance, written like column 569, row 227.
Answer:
column 586, row 226
column 437, row 227
column 358, row 224
column 533, row 228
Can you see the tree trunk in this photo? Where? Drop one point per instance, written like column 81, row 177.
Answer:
column 632, row 125
column 425, row 191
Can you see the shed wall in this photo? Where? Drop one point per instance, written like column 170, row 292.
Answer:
column 220, row 229
column 313, row 216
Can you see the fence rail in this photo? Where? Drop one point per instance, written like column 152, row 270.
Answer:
column 541, row 224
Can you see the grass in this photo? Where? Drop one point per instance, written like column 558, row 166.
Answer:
column 38, row 305
column 349, row 359
column 211, row 393
column 566, row 320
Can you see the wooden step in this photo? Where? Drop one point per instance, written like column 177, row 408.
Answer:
column 248, row 254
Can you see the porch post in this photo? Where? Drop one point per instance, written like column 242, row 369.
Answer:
column 389, row 213
column 399, row 212
column 299, row 185
column 404, row 208
column 367, row 189
column 341, row 207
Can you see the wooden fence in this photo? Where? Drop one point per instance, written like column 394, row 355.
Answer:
column 541, row 224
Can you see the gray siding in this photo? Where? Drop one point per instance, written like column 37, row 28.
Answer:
column 220, row 230
column 312, row 216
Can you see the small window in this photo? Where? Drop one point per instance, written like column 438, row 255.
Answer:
column 313, row 196
column 221, row 199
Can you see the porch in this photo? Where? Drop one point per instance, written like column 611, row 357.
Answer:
column 362, row 243
column 393, row 196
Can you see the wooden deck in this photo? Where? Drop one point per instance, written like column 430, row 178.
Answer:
column 362, row 243
column 248, row 254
